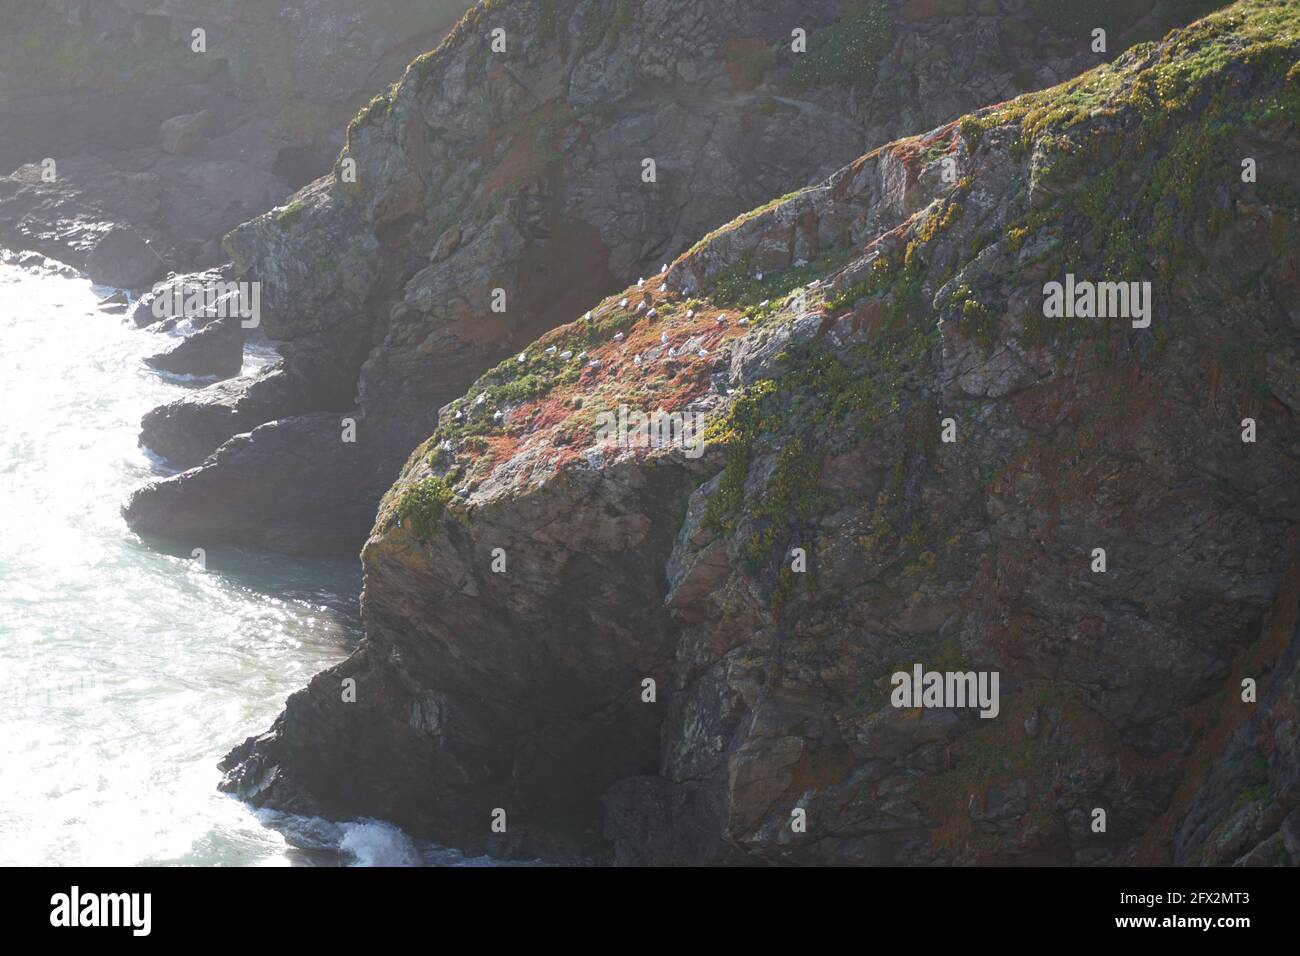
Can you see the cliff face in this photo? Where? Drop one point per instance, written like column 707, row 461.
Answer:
column 908, row 462
column 177, row 143
column 524, row 171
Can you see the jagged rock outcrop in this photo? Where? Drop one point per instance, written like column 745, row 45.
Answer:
column 513, row 180
column 146, row 130
column 181, row 508
column 185, row 431
column 911, row 460
column 216, row 350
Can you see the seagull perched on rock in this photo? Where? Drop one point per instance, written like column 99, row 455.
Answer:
column 640, row 282
column 523, row 357
column 551, row 350
column 594, row 363
column 482, row 397
column 744, row 320
column 623, row 304
column 664, row 287
column 690, row 313
column 566, row 354
column 663, row 339
column 636, row 360
column 459, row 415
column 618, row 336
column 652, row 313
column 581, row 356
column 722, row 320
column 497, row 416
column 672, row 353
column 703, row 353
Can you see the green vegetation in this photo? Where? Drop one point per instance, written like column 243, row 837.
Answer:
column 512, row 381
column 822, row 399
column 290, row 213
column 1189, row 66
column 1130, row 199
column 848, row 52
column 738, row 285
column 422, row 505
column 978, row 321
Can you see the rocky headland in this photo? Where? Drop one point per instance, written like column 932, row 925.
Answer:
column 910, row 461
column 490, row 196
column 832, row 257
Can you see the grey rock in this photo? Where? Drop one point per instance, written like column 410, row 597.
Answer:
column 122, row 259
column 182, row 134
column 216, row 350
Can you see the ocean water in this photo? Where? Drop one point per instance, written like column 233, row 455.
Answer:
column 127, row 672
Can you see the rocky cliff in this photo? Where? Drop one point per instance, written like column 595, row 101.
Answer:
column 912, row 458
column 494, row 192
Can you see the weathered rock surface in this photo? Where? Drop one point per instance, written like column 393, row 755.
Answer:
column 234, row 505
column 523, row 171
column 215, row 350
column 181, row 134
column 121, row 258
column 158, row 309
column 186, row 431
column 831, row 338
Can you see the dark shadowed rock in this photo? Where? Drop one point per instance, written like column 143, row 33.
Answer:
column 217, row 349
column 186, row 431
column 244, row 501
column 121, row 258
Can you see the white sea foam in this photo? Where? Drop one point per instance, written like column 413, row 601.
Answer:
column 375, row 843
